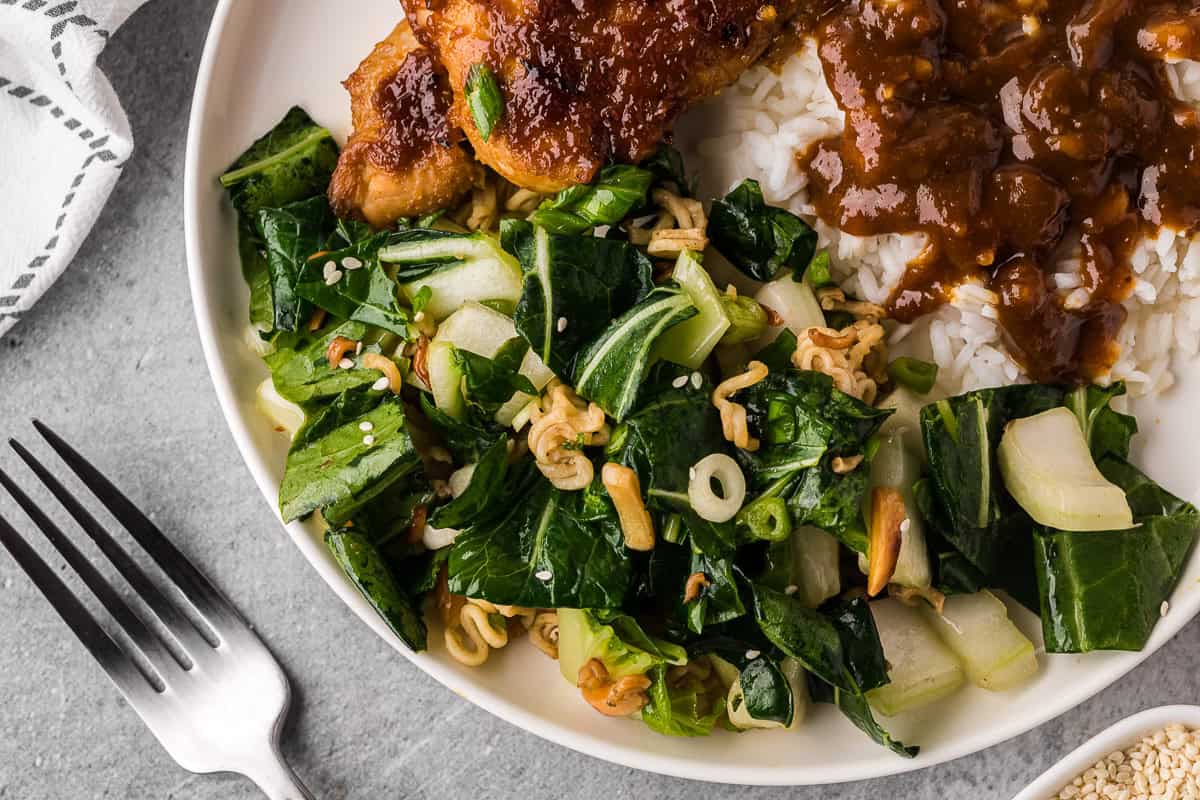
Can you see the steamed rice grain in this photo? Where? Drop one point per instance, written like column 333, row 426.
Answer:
column 754, row 130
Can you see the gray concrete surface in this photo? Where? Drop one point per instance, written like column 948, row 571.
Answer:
column 111, row 358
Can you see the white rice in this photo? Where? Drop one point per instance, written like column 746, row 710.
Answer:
column 754, row 130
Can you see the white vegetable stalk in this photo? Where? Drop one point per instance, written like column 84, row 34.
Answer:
column 460, row 479
column 284, row 413
column 726, row 472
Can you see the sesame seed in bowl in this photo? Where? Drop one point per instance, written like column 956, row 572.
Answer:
column 1154, row 754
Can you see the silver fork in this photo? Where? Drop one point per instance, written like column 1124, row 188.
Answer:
column 210, row 691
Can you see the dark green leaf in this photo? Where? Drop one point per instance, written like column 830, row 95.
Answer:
column 292, row 234
column 301, row 372
column 799, row 417
column 1103, row 590
column 832, row 503
column 759, row 239
column 860, row 643
column 855, row 707
column 617, row 190
column 666, row 164
column 1106, row 431
column 370, row 574
column 665, row 438
column 777, row 355
column 576, row 547
column 467, row 439
column 481, row 497
column 489, row 383
column 766, row 692
column 804, row 634
column 484, row 99
column 293, row 161
column 362, row 291
column 257, row 274
column 340, row 466
column 347, row 407
column 581, row 280
column 610, row 369
column 688, row 708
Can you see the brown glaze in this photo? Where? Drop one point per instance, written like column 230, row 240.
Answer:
column 586, row 82
column 1007, row 131
column 415, row 107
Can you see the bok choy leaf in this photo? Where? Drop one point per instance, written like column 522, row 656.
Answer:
column 370, row 574
column 341, row 466
column 760, row 239
column 547, row 549
column 302, row 374
column 292, row 234
column 610, row 369
column 351, row 284
column 1104, row 590
column 573, row 287
column 616, row 191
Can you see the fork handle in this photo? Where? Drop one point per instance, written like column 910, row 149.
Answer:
column 276, row 779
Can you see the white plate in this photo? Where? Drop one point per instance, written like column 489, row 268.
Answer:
column 1121, row 736
column 263, row 56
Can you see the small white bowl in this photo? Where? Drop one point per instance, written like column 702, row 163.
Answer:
column 1124, row 734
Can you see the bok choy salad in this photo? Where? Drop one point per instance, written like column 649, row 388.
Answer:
column 652, row 436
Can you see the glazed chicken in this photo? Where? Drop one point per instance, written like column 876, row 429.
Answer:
column 583, row 82
column 405, row 157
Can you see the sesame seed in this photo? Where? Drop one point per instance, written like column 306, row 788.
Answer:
column 543, row 575
column 791, row 589
column 419, row 316
column 697, row 380
column 333, row 277
column 752, row 654
column 350, row 262
column 368, row 440
column 561, row 325
column 905, row 525
column 366, row 426
column 381, row 384
column 358, row 348
column 1164, row 608
column 328, row 268
column 345, row 363
column 1161, row 764
column 680, row 382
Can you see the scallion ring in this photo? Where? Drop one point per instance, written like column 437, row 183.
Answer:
column 918, row 375
column 767, row 518
column 728, row 475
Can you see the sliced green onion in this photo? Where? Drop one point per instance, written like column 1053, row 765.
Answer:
column 818, row 271
column 484, row 99
column 918, row 375
column 673, row 531
column 767, row 518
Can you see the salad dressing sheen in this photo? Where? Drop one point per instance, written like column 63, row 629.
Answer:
column 1008, row 132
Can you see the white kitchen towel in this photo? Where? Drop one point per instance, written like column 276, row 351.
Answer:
column 63, row 138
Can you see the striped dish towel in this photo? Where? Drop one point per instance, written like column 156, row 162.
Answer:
column 63, row 138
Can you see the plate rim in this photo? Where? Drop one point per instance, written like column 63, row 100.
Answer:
column 493, row 703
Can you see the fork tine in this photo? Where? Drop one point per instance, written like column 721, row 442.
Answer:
column 189, row 580
column 190, row 638
column 120, row 668
column 137, row 631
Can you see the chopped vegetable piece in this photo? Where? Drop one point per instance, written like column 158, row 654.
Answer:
column 691, row 341
column 759, row 239
column 976, row 627
column 1050, row 472
column 617, row 190
column 484, row 99
column 921, row 669
column 920, row 376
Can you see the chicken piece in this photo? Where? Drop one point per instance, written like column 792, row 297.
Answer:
column 405, row 157
column 587, row 82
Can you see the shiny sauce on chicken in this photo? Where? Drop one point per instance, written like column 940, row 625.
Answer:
column 415, row 108
column 586, row 82
column 1013, row 134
